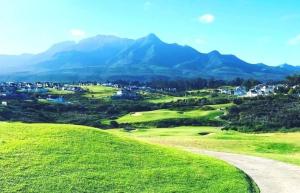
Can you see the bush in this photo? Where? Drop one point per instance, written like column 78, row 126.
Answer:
column 263, row 114
column 114, row 124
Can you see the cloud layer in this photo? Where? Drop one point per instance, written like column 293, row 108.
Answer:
column 207, row 18
column 77, row 33
column 147, row 5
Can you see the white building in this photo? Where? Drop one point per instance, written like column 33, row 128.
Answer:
column 119, row 93
column 240, row 91
column 267, row 90
column 252, row 93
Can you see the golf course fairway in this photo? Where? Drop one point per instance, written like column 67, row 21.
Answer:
column 69, row 158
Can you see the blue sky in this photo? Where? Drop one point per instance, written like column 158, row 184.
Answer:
column 255, row 30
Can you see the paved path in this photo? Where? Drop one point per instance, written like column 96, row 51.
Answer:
column 270, row 176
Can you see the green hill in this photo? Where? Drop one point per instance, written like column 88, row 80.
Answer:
column 68, row 158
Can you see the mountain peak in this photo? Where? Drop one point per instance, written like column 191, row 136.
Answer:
column 151, row 38
column 215, row 52
column 289, row 67
column 144, row 58
column 285, row 65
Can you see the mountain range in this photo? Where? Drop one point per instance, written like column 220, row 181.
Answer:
column 109, row 58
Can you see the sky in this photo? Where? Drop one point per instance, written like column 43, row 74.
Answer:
column 257, row 31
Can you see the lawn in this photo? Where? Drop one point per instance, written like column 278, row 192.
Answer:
column 163, row 114
column 99, row 92
column 279, row 146
column 67, row 158
column 168, row 99
column 60, row 92
column 164, row 98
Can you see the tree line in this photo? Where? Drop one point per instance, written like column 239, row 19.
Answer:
column 190, row 84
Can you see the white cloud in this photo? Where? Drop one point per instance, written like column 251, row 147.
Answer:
column 77, row 33
column 294, row 41
column 147, row 5
column 206, row 18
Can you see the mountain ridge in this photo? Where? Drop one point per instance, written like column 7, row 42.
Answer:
column 105, row 57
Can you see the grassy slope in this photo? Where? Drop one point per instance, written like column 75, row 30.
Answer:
column 66, row 158
column 162, row 114
column 281, row 146
column 99, row 92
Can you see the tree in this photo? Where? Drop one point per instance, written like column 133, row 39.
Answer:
column 293, row 80
column 114, row 124
column 250, row 83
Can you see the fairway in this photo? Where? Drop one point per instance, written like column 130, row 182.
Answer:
column 99, row 92
column 60, row 92
column 163, row 114
column 67, row 158
column 165, row 98
column 168, row 99
column 280, row 146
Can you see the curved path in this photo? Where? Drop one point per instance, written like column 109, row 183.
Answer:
column 270, row 176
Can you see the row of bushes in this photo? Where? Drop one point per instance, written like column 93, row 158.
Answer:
column 168, row 123
column 263, row 114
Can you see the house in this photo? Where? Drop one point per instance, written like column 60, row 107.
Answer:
column 56, row 100
column 119, row 93
column 126, row 94
column 37, row 90
column 261, row 90
column 77, row 89
column 226, row 91
column 252, row 93
column 240, row 91
column 267, row 89
column 4, row 103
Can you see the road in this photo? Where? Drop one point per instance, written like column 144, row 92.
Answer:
column 271, row 176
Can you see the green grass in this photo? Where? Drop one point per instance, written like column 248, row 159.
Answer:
column 163, row 114
column 60, row 92
column 221, row 106
column 65, row 158
column 168, row 99
column 158, row 98
column 99, row 92
column 44, row 101
column 279, row 146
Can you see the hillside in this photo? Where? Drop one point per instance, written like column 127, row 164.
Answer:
column 66, row 158
column 109, row 57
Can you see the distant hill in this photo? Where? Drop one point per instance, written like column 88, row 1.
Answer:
column 109, row 57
